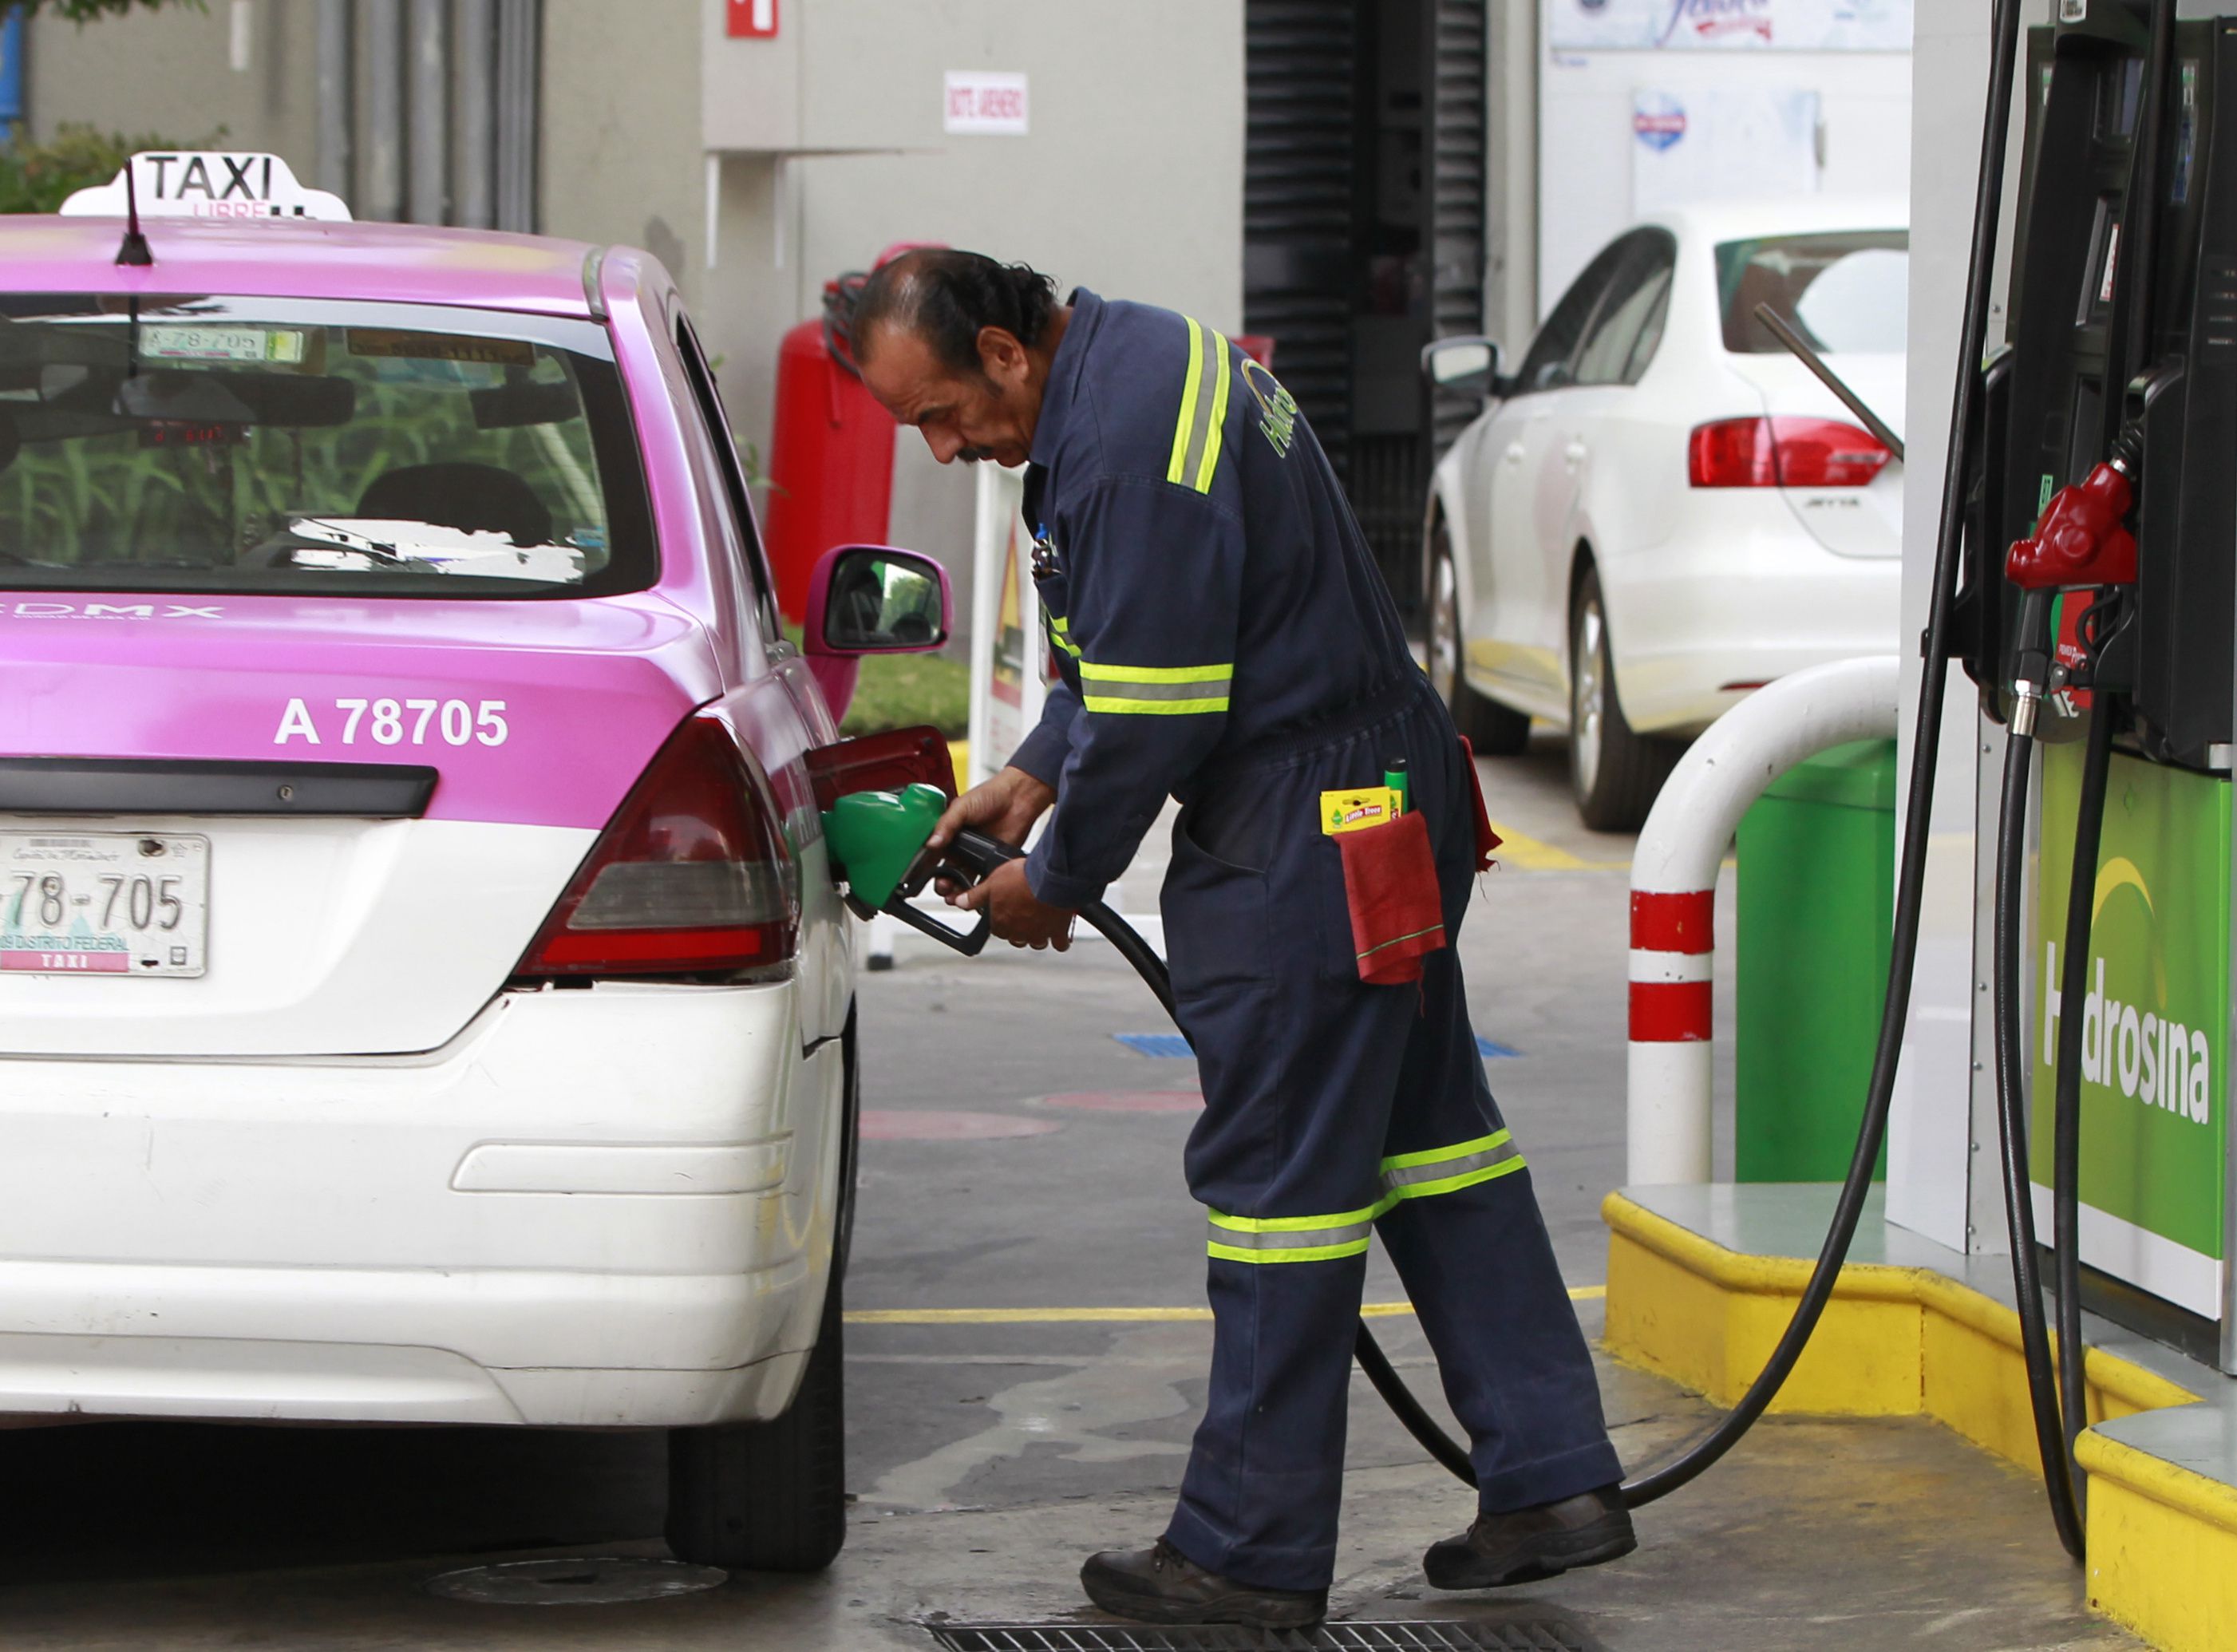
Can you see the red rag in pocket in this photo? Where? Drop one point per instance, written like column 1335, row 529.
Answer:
column 1390, row 885
column 1485, row 839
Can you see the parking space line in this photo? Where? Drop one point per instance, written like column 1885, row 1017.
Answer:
column 1528, row 854
column 1109, row 1316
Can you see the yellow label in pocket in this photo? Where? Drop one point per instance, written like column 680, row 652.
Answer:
column 1352, row 811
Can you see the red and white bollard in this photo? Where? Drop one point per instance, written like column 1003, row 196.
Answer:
column 1673, row 893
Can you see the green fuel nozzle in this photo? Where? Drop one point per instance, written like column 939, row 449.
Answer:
column 877, row 837
column 878, row 847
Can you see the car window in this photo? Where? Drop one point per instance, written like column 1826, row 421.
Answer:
column 1849, row 290
column 1552, row 352
column 1638, row 296
column 276, row 446
column 709, row 397
column 1650, row 332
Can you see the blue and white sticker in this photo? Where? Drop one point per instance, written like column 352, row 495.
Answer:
column 1658, row 120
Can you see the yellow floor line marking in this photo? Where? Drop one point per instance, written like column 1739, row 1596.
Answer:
column 1528, row 854
column 1111, row 1315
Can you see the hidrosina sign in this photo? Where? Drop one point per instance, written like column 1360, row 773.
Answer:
column 2154, row 1024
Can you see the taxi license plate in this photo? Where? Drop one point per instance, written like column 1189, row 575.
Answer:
column 104, row 903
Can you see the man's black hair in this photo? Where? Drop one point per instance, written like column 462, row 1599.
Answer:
column 944, row 297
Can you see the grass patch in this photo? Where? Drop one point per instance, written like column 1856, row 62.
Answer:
column 900, row 691
column 903, row 691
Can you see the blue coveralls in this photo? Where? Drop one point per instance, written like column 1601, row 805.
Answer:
column 1223, row 636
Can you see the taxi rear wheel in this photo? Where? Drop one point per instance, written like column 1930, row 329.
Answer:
column 768, row 1497
column 1615, row 773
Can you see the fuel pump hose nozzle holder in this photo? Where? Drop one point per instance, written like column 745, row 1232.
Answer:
column 2081, row 540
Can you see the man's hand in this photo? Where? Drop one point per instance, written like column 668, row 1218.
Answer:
column 1018, row 915
column 1005, row 808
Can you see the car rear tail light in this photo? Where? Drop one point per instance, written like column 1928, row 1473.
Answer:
column 1783, row 451
column 691, row 877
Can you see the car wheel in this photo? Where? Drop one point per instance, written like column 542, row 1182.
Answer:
column 1491, row 728
column 768, row 1497
column 1613, row 773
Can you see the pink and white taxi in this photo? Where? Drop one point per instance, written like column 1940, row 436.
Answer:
column 423, row 997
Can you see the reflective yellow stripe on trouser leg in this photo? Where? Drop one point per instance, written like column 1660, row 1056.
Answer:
column 1405, row 1176
column 1447, row 1170
column 1292, row 1239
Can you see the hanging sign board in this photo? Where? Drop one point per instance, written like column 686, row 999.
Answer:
column 1728, row 25
column 1009, row 651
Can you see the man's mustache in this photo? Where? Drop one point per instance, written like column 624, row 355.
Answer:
column 975, row 455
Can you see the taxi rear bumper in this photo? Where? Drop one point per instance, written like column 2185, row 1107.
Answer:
column 610, row 1206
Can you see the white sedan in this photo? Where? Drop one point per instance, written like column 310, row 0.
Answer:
column 1661, row 509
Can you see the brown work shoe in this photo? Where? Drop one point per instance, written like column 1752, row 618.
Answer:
column 1162, row 1585
column 1526, row 1545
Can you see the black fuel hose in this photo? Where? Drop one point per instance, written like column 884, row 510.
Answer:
column 2011, row 1127
column 2066, row 1124
column 974, row 854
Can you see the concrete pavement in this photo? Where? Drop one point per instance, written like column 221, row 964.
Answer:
column 990, row 1452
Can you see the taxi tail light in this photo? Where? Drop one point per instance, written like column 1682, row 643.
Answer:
column 691, row 877
column 1782, row 452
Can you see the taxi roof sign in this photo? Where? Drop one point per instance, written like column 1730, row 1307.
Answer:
column 244, row 185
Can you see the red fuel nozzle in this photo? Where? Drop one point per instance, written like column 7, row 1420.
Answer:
column 2079, row 540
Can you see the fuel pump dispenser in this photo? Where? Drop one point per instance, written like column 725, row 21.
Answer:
column 2104, row 635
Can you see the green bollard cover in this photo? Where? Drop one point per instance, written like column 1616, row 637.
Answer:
column 1816, row 910
column 875, row 836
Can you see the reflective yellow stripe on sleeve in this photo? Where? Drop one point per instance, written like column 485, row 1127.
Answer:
column 1185, row 424
column 1154, row 691
column 1211, row 463
column 1203, row 410
column 1060, row 634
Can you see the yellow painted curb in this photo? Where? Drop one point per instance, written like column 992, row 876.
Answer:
column 2162, row 1547
column 1900, row 1341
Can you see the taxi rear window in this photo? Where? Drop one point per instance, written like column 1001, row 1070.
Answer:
column 285, row 447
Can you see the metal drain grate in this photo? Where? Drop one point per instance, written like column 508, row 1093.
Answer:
column 604, row 1581
column 1516, row 1635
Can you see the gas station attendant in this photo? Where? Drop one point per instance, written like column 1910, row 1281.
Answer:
column 1225, row 638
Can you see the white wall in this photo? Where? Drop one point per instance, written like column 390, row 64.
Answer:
column 1935, row 1176
column 1586, row 141
column 170, row 75
column 1129, row 179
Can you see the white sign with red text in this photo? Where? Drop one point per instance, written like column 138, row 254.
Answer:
column 1728, row 25
column 983, row 102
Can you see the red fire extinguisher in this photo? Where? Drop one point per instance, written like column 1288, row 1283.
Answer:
column 831, row 446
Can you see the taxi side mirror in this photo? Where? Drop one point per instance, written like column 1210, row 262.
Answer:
column 876, row 599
